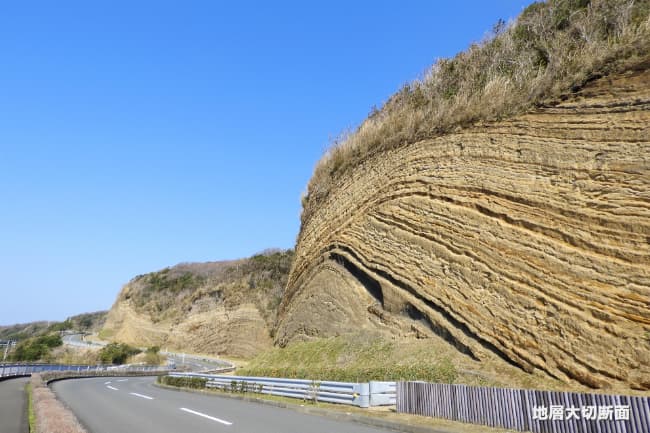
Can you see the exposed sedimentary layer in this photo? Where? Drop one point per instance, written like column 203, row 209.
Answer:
column 527, row 238
column 222, row 308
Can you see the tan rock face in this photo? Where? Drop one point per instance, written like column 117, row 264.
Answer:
column 527, row 238
column 220, row 308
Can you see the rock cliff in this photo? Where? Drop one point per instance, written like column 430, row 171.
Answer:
column 526, row 239
column 209, row 308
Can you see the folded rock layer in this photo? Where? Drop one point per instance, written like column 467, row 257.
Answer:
column 528, row 239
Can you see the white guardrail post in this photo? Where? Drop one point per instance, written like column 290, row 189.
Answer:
column 383, row 393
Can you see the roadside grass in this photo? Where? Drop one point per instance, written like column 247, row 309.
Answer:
column 361, row 357
column 183, row 382
column 75, row 355
column 352, row 358
column 30, row 409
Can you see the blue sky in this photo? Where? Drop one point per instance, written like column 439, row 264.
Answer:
column 137, row 135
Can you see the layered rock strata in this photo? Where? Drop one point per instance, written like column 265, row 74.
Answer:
column 528, row 239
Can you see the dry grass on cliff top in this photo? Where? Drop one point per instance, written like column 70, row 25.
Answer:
column 172, row 292
column 552, row 48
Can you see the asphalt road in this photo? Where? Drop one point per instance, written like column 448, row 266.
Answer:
column 117, row 405
column 13, row 406
column 77, row 341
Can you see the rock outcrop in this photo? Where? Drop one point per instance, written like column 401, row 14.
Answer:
column 526, row 239
column 209, row 308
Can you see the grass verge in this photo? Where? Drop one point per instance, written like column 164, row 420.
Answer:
column 361, row 357
column 351, row 358
column 31, row 418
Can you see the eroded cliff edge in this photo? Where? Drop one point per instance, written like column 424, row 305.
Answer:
column 526, row 239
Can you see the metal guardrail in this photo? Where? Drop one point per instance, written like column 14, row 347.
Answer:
column 12, row 370
column 201, row 363
column 364, row 395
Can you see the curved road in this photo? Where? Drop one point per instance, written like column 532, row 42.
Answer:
column 134, row 404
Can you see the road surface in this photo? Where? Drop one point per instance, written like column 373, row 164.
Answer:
column 13, row 406
column 115, row 405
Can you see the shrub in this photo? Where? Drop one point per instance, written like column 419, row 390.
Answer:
column 184, row 382
column 152, row 356
column 36, row 348
column 116, row 353
column 61, row 326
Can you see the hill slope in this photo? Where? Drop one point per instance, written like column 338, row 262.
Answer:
column 85, row 322
column 524, row 240
column 212, row 308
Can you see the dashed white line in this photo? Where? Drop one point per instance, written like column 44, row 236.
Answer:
column 123, row 380
column 141, row 395
column 106, row 383
column 206, row 416
column 112, row 387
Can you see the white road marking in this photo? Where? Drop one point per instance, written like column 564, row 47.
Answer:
column 106, row 383
column 123, row 380
column 112, row 387
column 141, row 395
column 206, row 416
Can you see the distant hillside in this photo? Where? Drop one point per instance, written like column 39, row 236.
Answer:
column 22, row 331
column 227, row 307
column 88, row 322
column 85, row 322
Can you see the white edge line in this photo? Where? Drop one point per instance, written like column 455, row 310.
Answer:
column 141, row 395
column 112, row 387
column 206, row 416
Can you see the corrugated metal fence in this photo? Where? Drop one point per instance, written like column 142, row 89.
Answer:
column 526, row 410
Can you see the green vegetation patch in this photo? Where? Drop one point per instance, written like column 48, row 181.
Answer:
column 443, row 372
column 36, row 348
column 175, row 291
column 183, row 382
column 351, row 358
column 117, row 353
column 31, row 417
